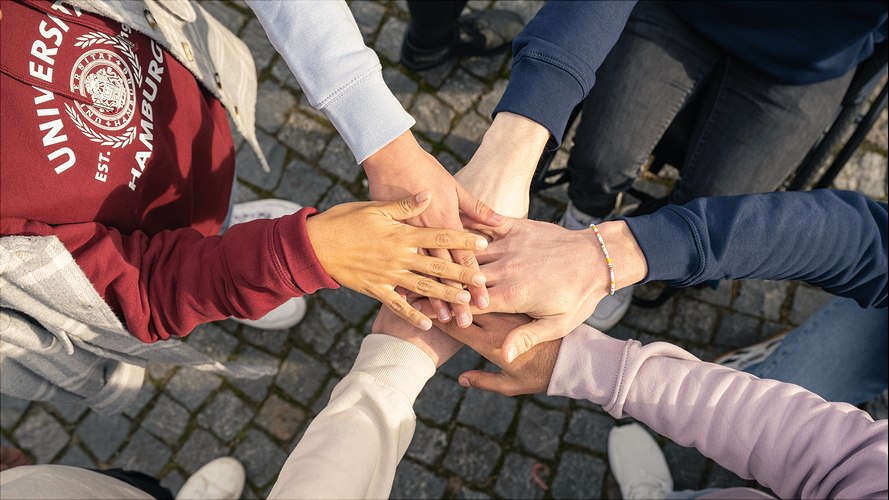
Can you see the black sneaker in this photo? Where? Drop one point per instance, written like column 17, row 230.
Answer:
column 482, row 33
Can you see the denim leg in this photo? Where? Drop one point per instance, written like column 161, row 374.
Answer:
column 752, row 131
column 652, row 71
column 840, row 354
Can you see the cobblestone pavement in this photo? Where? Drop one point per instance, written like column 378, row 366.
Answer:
column 468, row 444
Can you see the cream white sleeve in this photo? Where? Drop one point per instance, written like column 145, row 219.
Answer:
column 353, row 446
column 322, row 45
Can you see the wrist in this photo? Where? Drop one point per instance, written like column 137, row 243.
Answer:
column 513, row 143
column 394, row 156
column 630, row 266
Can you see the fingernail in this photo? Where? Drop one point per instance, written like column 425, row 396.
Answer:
column 481, row 244
column 482, row 302
column 463, row 319
column 497, row 217
column 479, row 280
column 444, row 315
column 511, row 354
column 463, row 297
column 422, row 196
column 425, row 323
column 463, row 381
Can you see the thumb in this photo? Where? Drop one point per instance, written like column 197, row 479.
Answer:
column 476, row 209
column 408, row 207
column 521, row 339
column 491, row 382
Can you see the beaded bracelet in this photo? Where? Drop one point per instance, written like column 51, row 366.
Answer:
column 607, row 257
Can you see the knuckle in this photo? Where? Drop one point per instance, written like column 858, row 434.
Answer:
column 515, row 291
column 396, row 305
column 466, row 275
column 529, row 340
column 481, row 207
column 443, row 238
column 437, row 268
column 468, row 260
column 425, row 285
column 405, row 205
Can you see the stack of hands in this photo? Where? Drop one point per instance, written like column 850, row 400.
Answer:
column 430, row 249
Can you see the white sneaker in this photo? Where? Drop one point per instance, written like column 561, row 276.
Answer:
column 222, row 478
column 293, row 311
column 612, row 308
column 637, row 463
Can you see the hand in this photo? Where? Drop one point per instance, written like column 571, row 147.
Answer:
column 501, row 171
column 529, row 374
column 554, row 275
column 402, row 168
column 363, row 247
column 13, row 457
column 435, row 343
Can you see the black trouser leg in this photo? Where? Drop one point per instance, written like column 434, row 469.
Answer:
column 433, row 22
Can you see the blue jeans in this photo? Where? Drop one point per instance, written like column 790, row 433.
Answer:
column 840, row 354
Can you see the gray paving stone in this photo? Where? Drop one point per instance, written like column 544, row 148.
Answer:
column 352, row 306
column 173, row 481
column 761, row 298
column 552, row 401
column 76, row 457
column 413, row 481
column 146, row 394
column 144, row 453
column 302, row 184
column 272, row 341
column 433, row 119
column 579, row 476
column 388, row 43
column 437, row 75
column 228, row 16
column 305, row 135
column 539, row 429
column 159, row 371
column 470, row 494
column 721, row 296
column 336, row 196
column 865, row 173
column 525, row 8
column 342, row 356
column 226, row 415
column 41, row 435
column 806, row 302
column 589, row 430
column 69, row 413
column 368, row 16
column 465, row 359
column 687, row 466
column 466, row 136
column 428, row 444
column 737, row 330
column 244, row 194
column 200, row 448
column 879, row 133
column 460, row 90
column 167, row 420
column 324, row 398
column 254, row 36
column 472, row 457
column 401, row 86
column 544, row 211
column 103, row 435
column 261, row 457
column 11, row 409
column 212, row 340
column 771, row 329
column 516, row 478
column 485, row 68
column 273, row 107
column 191, row 387
column 449, row 162
column 280, row 418
column 693, row 321
column 488, row 412
column 655, row 320
column 622, row 331
column 247, row 165
column 319, row 329
column 721, row 477
column 282, row 73
column 339, row 161
column 255, row 389
column 490, row 99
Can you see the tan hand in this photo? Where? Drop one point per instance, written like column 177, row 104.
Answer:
column 528, row 374
column 363, row 247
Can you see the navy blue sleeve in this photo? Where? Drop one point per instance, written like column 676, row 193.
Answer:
column 556, row 56
column 835, row 240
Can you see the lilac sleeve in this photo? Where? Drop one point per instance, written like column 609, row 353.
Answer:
column 779, row 434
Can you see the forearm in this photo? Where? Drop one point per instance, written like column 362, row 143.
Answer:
column 322, row 46
column 785, row 437
column 831, row 239
column 353, row 446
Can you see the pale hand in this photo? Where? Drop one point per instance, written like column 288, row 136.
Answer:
column 438, row 345
column 363, row 247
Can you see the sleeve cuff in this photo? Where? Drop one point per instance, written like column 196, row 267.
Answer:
column 671, row 244
column 588, row 366
column 367, row 115
column 396, row 363
column 294, row 252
